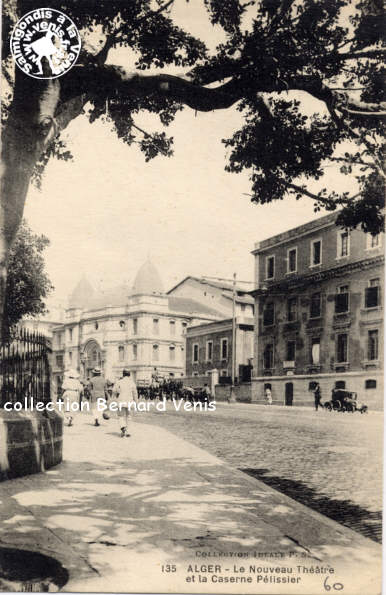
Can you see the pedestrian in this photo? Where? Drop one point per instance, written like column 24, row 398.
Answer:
column 72, row 389
column 124, row 393
column 98, row 390
column 207, row 393
column 268, row 395
column 317, row 395
column 155, row 384
column 87, row 389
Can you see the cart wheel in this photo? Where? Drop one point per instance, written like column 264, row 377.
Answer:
column 364, row 409
column 328, row 406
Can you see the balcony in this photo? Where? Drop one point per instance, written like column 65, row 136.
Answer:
column 289, row 364
column 314, row 369
column 341, row 367
column 289, row 367
column 291, row 326
column 370, row 364
column 268, row 371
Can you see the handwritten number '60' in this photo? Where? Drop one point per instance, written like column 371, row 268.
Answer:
column 336, row 586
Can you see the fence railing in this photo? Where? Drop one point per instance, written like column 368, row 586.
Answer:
column 24, row 368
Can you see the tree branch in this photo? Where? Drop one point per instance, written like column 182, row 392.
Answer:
column 150, row 137
column 365, row 109
column 324, row 200
column 101, row 56
column 108, row 81
column 285, row 6
column 381, row 53
column 354, row 161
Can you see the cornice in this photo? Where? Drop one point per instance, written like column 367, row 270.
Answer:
column 304, row 281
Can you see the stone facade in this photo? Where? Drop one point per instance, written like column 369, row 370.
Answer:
column 216, row 294
column 209, row 347
column 139, row 328
column 319, row 314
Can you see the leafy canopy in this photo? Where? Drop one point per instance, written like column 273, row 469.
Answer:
column 307, row 76
column 27, row 282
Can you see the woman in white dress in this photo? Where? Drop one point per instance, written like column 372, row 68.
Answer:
column 72, row 389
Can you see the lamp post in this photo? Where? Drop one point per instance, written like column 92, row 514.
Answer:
column 232, row 398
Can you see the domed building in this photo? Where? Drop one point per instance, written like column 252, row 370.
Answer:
column 140, row 328
column 147, row 281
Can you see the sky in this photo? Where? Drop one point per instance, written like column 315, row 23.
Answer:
column 108, row 211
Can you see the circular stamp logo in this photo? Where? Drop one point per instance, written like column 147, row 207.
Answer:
column 45, row 43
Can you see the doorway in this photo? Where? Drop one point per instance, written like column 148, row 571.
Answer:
column 289, row 393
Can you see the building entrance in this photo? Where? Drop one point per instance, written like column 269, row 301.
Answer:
column 289, row 393
column 92, row 358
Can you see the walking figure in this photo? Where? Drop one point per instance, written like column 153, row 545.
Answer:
column 268, row 396
column 72, row 390
column 98, row 386
column 317, row 395
column 125, row 392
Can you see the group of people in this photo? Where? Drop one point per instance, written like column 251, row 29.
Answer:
column 97, row 387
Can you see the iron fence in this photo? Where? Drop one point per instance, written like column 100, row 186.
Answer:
column 25, row 368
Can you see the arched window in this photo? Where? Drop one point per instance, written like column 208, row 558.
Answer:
column 135, row 351
column 172, row 325
column 172, row 353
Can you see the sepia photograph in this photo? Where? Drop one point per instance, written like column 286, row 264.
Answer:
column 191, row 296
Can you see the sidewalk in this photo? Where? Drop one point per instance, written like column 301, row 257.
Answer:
column 117, row 511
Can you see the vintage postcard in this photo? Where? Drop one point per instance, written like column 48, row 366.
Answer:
column 191, row 296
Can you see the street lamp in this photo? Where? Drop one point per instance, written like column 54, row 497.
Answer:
column 233, row 336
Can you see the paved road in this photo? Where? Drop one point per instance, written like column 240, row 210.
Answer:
column 331, row 462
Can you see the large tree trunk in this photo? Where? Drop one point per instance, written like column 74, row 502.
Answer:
column 29, row 129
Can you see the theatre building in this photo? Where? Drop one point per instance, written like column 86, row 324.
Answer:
column 139, row 327
column 319, row 314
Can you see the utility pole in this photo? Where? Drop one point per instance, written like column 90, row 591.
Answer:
column 232, row 397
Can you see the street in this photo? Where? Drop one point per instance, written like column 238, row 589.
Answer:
column 329, row 461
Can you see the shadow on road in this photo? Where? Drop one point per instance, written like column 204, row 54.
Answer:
column 345, row 512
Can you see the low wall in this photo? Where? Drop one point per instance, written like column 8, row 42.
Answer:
column 241, row 392
column 195, row 381
column 355, row 381
column 222, row 392
column 29, row 442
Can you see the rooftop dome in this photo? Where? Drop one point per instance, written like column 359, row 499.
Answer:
column 147, row 281
column 81, row 295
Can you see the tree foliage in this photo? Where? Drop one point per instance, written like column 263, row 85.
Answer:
column 27, row 284
column 306, row 75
